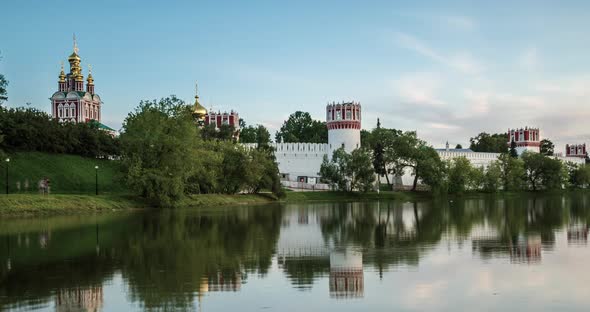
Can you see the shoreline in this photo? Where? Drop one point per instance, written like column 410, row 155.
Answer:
column 35, row 205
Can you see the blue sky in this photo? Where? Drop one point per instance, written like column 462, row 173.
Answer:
column 449, row 70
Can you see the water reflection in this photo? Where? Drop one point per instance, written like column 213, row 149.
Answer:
column 346, row 274
column 181, row 260
column 79, row 299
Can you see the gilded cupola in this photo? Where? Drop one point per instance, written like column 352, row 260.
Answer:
column 199, row 111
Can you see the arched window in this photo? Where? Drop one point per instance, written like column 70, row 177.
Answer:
column 60, row 110
column 72, row 110
column 67, row 110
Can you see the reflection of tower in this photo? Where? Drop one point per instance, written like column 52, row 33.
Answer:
column 221, row 281
column 527, row 249
column 79, row 299
column 577, row 234
column 346, row 274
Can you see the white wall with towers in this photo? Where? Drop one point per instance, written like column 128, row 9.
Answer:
column 301, row 162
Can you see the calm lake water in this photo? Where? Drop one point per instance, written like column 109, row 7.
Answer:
column 522, row 253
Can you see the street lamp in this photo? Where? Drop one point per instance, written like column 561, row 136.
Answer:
column 7, row 161
column 96, row 170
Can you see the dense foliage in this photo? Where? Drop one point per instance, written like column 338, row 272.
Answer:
column 348, row 172
column 300, row 127
column 27, row 129
column 254, row 134
column 547, row 147
column 165, row 157
column 490, row 143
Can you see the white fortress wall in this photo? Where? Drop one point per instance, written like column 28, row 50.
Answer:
column 477, row 159
column 298, row 159
column 575, row 160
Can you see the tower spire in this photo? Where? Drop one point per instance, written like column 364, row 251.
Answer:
column 75, row 44
column 199, row 111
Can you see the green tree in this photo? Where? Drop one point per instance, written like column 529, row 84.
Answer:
column 301, row 128
column 3, row 91
column 579, row 175
column 543, row 172
column 512, row 172
column 533, row 166
column 406, row 150
column 255, row 134
column 3, row 86
column 460, row 171
column 513, row 152
column 547, row 147
column 458, row 146
column 492, row 177
column 158, row 142
column 348, row 172
column 484, row 142
column 361, row 169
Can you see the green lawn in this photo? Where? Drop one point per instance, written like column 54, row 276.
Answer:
column 35, row 204
column 69, row 174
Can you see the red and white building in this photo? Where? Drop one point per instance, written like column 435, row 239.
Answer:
column 576, row 150
column 526, row 139
column 73, row 101
column 219, row 119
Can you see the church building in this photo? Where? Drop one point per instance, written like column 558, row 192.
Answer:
column 74, row 101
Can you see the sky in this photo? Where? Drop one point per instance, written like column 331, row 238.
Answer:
column 447, row 70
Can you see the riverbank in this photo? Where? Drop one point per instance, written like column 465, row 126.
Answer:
column 67, row 204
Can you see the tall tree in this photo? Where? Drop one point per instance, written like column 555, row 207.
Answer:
column 547, row 147
column 513, row 152
column 301, row 128
column 406, row 150
column 484, row 142
column 3, row 86
column 158, row 143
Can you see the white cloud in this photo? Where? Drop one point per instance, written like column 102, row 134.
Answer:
column 419, row 89
column 463, row 62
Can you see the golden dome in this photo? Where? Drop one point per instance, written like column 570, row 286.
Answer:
column 198, row 109
column 62, row 75
column 74, row 57
column 90, row 79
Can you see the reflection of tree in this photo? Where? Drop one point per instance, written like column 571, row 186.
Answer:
column 165, row 257
column 173, row 251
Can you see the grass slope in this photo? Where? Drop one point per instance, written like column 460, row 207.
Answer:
column 35, row 204
column 69, row 174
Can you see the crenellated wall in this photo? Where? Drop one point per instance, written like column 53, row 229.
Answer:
column 477, row 159
column 298, row 159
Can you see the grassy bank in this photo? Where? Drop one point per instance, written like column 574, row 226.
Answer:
column 69, row 174
column 34, row 204
column 63, row 204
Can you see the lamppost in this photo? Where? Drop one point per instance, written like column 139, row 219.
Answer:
column 7, row 161
column 96, row 170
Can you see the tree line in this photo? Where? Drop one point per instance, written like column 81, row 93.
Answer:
column 28, row 129
column 165, row 156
